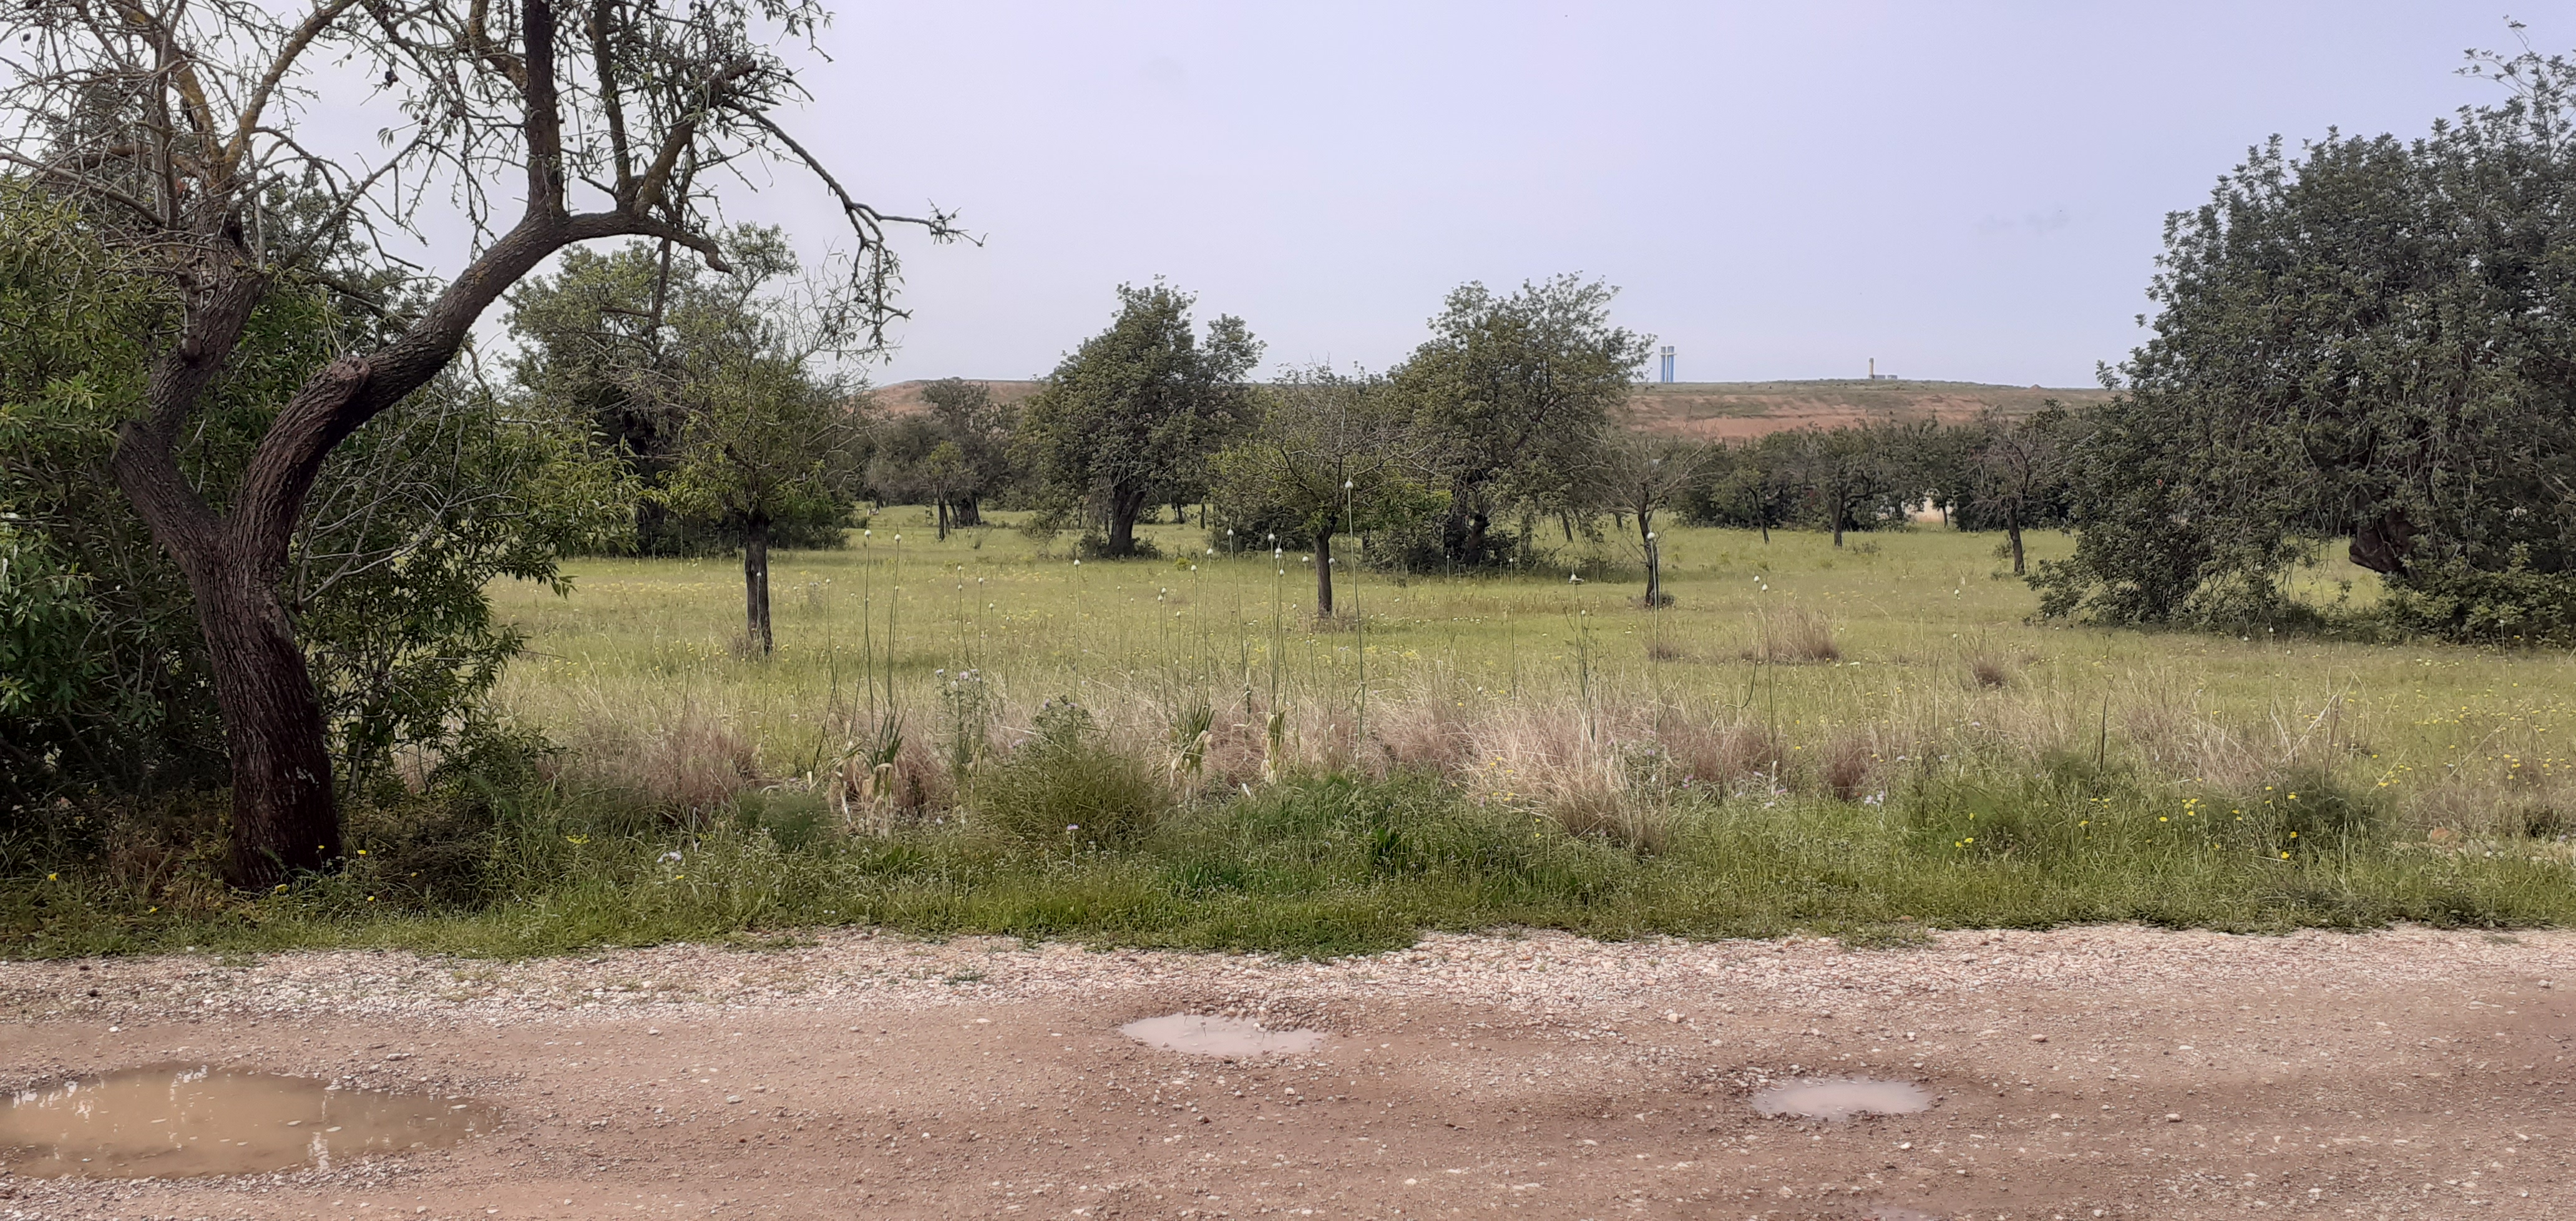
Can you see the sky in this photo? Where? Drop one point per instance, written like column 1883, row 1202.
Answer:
column 1966, row 191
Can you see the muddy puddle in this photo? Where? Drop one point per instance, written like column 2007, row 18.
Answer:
column 178, row 1120
column 1201, row 1035
column 1841, row 1099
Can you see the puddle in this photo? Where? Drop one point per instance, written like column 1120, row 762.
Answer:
column 175, row 1121
column 1201, row 1035
column 1841, row 1099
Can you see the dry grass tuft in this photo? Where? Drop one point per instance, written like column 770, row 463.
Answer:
column 1722, row 757
column 1793, row 636
column 1423, row 735
column 1988, row 671
column 683, row 756
column 1845, row 767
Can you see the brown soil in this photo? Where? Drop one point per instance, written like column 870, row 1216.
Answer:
column 904, row 398
column 2102, row 1072
column 1736, row 411
column 1731, row 411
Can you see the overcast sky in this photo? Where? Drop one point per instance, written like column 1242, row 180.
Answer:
column 1968, row 191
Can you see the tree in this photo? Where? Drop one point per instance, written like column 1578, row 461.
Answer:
column 177, row 130
column 1331, row 449
column 2016, row 466
column 1639, row 474
column 1131, row 413
column 2367, row 339
column 953, row 457
column 1846, row 470
column 1519, row 390
column 761, row 440
column 408, row 522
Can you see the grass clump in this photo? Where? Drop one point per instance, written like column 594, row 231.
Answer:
column 1066, row 787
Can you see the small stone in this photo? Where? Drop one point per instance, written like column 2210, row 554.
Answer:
column 731, row 1098
column 2170, row 1117
column 2039, row 1038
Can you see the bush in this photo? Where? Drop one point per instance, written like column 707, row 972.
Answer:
column 1065, row 786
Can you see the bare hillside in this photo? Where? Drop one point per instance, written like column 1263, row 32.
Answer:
column 904, row 398
column 1731, row 410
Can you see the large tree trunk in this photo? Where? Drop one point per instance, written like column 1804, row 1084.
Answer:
column 1124, row 508
column 1324, row 573
column 1838, row 515
column 941, row 507
column 970, row 512
column 286, row 817
column 755, row 583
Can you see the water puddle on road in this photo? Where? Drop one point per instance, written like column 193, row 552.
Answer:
column 175, row 1121
column 1841, row 1099
column 1200, row 1035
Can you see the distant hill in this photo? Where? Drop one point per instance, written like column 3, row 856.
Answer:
column 1732, row 410
column 904, row 398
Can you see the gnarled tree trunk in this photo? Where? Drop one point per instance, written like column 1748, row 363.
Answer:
column 1124, row 508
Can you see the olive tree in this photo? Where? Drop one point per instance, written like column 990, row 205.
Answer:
column 185, row 130
column 2364, row 338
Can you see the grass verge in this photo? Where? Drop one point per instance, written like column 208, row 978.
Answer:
column 1329, row 864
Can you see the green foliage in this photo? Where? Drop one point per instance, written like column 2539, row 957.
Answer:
column 1318, row 865
column 1516, row 392
column 955, row 456
column 698, row 381
column 2363, row 339
column 1317, row 430
column 1127, row 420
column 1066, row 788
column 408, row 523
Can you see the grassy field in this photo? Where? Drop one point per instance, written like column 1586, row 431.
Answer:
column 1862, row 742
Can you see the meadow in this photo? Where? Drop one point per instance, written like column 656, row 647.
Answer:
column 978, row 734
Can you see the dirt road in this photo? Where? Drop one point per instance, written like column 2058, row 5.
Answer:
column 2110, row 1072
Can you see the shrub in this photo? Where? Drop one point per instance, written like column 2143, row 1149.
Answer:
column 1066, row 786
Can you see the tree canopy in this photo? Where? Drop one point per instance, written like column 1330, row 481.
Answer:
column 1134, row 412
column 2367, row 338
column 1518, row 390
column 179, row 132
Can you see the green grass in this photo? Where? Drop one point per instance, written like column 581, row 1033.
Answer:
column 1539, row 753
column 1332, row 865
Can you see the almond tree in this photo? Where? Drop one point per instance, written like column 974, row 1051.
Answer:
column 181, row 127
column 1640, row 474
column 1330, row 449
